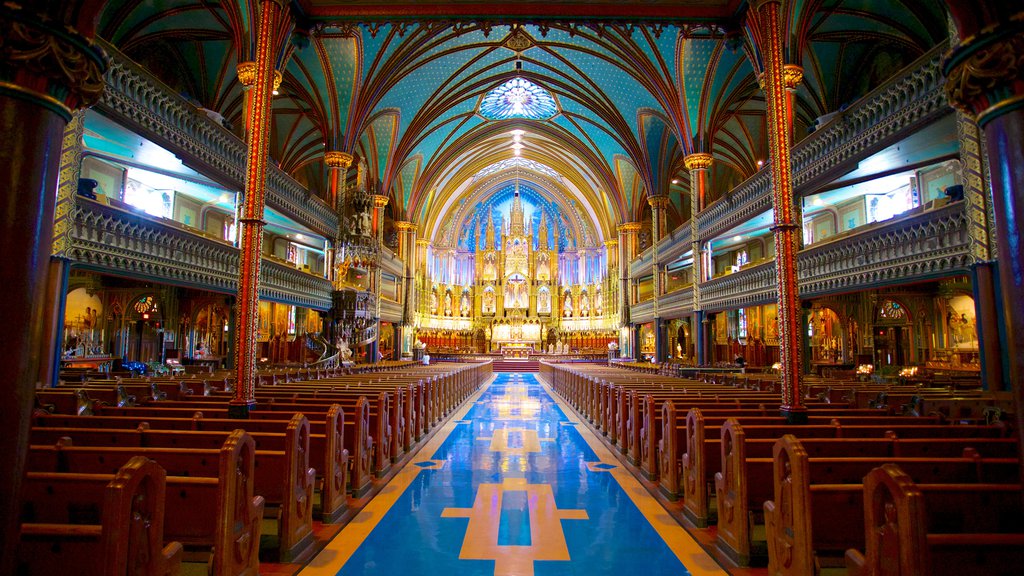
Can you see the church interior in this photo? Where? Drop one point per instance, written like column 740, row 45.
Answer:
column 690, row 286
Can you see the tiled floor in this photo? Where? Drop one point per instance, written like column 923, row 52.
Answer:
column 513, row 485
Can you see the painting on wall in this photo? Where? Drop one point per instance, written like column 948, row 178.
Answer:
column 264, row 323
column 721, row 328
column 961, row 323
column 771, row 325
column 281, row 318
column 754, row 323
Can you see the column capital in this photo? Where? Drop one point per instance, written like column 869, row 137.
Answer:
column 698, row 161
column 380, row 200
column 985, row 73
column 405, row 226
column 423, row 242
column 629, row 227
column 658, row 201
column 247, row 74
column 611, row 244
column 792, row 75
column 337, row 159
column 49, row 58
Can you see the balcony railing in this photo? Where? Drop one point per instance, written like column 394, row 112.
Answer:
column 136, row 99
column 915, row 247
column 121, row 241
column 882, row 117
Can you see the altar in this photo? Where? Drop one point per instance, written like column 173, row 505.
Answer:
column 517, row 349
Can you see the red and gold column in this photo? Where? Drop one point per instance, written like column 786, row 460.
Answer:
column 337, row 163
column 698, row 165
column 627, row 251
column 380, row 201
column 407, row 252
column 787, row 224
column 272, row 15
column 49, row 67
column 985, row 79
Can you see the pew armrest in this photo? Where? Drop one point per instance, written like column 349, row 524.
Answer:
column 172, row 554
column 856, row 563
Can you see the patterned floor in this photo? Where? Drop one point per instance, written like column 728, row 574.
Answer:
column 513, row 484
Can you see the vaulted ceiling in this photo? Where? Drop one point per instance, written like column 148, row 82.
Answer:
column 638, row 86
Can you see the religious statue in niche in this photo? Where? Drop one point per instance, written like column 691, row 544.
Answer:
column 464, row 304
column 584, row 305
column 567, row 306
column 488, row 304
column 599, row 302
column 448, row 304
column 544, row 301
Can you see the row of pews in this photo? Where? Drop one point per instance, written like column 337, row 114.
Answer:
column 859, row 489
column 154, row 473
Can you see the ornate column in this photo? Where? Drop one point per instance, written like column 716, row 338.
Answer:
column 627, row 251
column 337, row 171
column 49, row 68
column 787, row 224
column 272, row 14
column 658, row 205
column 57, row 278
column 247, row 77
column 986, row 80
column 379, row 202
column 698, row 164
column 611, row 291
column 407, row 251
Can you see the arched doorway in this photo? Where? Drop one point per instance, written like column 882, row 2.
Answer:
column 893, row 334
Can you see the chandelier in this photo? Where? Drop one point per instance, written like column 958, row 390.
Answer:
column 357, row 247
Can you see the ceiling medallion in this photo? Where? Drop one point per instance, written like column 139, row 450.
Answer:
column 518, row 40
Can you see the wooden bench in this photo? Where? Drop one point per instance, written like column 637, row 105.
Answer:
column 282, row 478
column 103, row 525
column 978, row 532
column 745, row 483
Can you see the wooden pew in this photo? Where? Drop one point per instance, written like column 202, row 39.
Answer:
column 103, row 525
column 326, row 448
column 691, row 475
column 282, row 478
column 745, row 483
column 902, row 538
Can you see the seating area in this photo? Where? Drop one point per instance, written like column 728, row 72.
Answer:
column 130, row 470
column 794, row 496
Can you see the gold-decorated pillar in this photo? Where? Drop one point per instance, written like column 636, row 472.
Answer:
column 698, row 165
column 380, row 201
column 407, row 252
column 337, row 163
column 787, row 226
column 49, row 67
column 272, row 15
column 985, row 79
column 627, row 251
column 658, row 213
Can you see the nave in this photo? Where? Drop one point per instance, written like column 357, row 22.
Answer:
column 513, row 484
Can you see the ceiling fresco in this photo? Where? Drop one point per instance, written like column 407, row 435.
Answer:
column 610, row 96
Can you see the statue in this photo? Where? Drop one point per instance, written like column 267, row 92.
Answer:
column 558, row 347
column 365, row 227
column 344, row 353
column 488, row 303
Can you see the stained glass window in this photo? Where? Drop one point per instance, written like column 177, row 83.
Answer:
column 518, row 98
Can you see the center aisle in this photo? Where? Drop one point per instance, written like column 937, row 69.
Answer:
column 513, row 485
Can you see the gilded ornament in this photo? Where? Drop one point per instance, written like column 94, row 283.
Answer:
column 337, row 159
column 984, row 75
column 36, row 46
column 698, row 161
